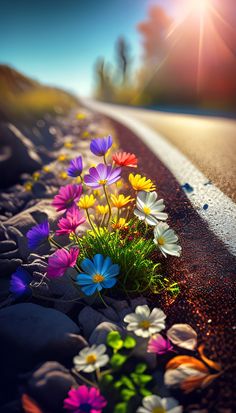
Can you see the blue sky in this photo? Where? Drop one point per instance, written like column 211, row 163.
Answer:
column 57, row 41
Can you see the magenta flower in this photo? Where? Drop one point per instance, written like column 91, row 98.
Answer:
column 159, row 345
column 69, row 224
column 85, row 400
column 68, row 195
column 100, row 146
column 102, row 175
column 60, row 260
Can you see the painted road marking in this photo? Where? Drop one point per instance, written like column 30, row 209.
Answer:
column 216, row 208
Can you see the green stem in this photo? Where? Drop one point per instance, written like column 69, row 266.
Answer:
column 53, row 242
column 90, row 221
column 102, row 221
column 102, row 300
column 108, row 203
column 83, row 378
column 104, row 158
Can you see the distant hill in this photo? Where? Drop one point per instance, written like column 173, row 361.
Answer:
column 22, row 97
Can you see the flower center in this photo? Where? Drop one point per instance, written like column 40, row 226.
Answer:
column 161, row 241
column 91, row 359
column 145, row 324
column 159, row 409
column 98, row 278
column 102, row 181
column 146, row 210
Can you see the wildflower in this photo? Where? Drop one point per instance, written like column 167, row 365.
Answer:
column 119, row 223
column 62, row 158
column 100, row 146
column 80, row 116
column 144, row 323
column 46, row 169
column 85, row 134
column 19, row 283
column 68, row 145
column 125, row 159
column 70, row 223
column 76, row 167
column 155, row 404
column 159, row 345
column 38, row 234
column 36, row 176
column 102, row 175
column 166, row 240
column 28, row 186
column 119, row 201
column 60, row 260
column 63, row 175
column 67, row 196
column 91, row 358
column 98, row 273
column 149, row 209
column 102, row 209
column 141, row 183
column 86, row 201
column 84, row 400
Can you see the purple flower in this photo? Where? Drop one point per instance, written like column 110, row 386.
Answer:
column 84, row 400
column 38, row 234
column 60, row 260
column 70, row 223
column 100, row 146
column 76, row 167
column 102, row 175
column 68, row 195
column 19, row 283
column 159, row 345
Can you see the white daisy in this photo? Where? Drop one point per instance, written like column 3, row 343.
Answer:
column 91, row 358
column 149, row 209
column 166, row 240
column 155, row 404
column 143, row 322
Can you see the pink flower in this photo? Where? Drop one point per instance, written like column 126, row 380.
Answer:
column 159, row 345
column 60, row 260
column 70, row 223
column 85, row 399
column 67, row 197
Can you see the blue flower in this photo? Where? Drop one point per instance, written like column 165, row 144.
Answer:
column 19, row 283
column 37, row 235
column 98, row 273
column 100, row 146
column 76, row 167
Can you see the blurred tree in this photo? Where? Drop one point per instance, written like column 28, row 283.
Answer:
column 123, row 57
column 103, row 82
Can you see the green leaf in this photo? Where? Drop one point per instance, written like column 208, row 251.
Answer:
column 118, row 384
column 127, row 382
column 141, row 379
column 108, row 378
column 140, row 368
column 145, row 392
column 127, row 394
column 121, row 408
column 129, row 342
column 118, row 360
column 114, row 340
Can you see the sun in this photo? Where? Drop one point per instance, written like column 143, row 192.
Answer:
column 200, row 6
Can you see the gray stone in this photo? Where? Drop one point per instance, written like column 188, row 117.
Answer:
column 89, row 319
column 99, row 335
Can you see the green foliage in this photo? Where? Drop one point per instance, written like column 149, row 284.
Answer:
column 132, row 252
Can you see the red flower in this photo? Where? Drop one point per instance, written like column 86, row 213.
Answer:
column 125, row 159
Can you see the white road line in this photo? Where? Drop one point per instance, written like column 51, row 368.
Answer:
column 221, row 212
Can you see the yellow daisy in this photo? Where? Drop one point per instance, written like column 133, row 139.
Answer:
column 63, row 175
column 120, row 223
column 141, row 183
column 119, row 201
column 86, row 202
column 28, row 186
column 62, row 158
column 103, row 209
column 36, row 176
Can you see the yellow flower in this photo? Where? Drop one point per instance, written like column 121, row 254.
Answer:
column 85, row 134
column 28, row 186
column 120, row 201
column 141, row 183
column 103, row 209
column 86, row 202
column 62, row 158
column 68, row 145
column 80, row 116
column 36, row 176
column 63, row 175
column 46, row 169
column 121, row 223
column 119, row 183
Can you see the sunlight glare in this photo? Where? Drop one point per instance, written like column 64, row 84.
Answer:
column 200, row 6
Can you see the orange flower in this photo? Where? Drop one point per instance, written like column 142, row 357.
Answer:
column 125, row 159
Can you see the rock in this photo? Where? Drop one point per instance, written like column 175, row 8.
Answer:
column 49, row 385
column 8, row 266
column 99, row 335
column 39, row 189
column 89, row 319
column 31, row 333
column 19, row 155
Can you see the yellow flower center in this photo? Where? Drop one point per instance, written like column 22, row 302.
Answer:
column 161, row 241
column 146, row 210
column 102, row 181
column 98, row 278
column 159, row 409
column 145, row 324
column 91, row 359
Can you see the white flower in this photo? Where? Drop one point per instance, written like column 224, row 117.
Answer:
column 155, row 404
column 149, row 209
column 143, row 322
column 166, row 240
column 91, row 358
